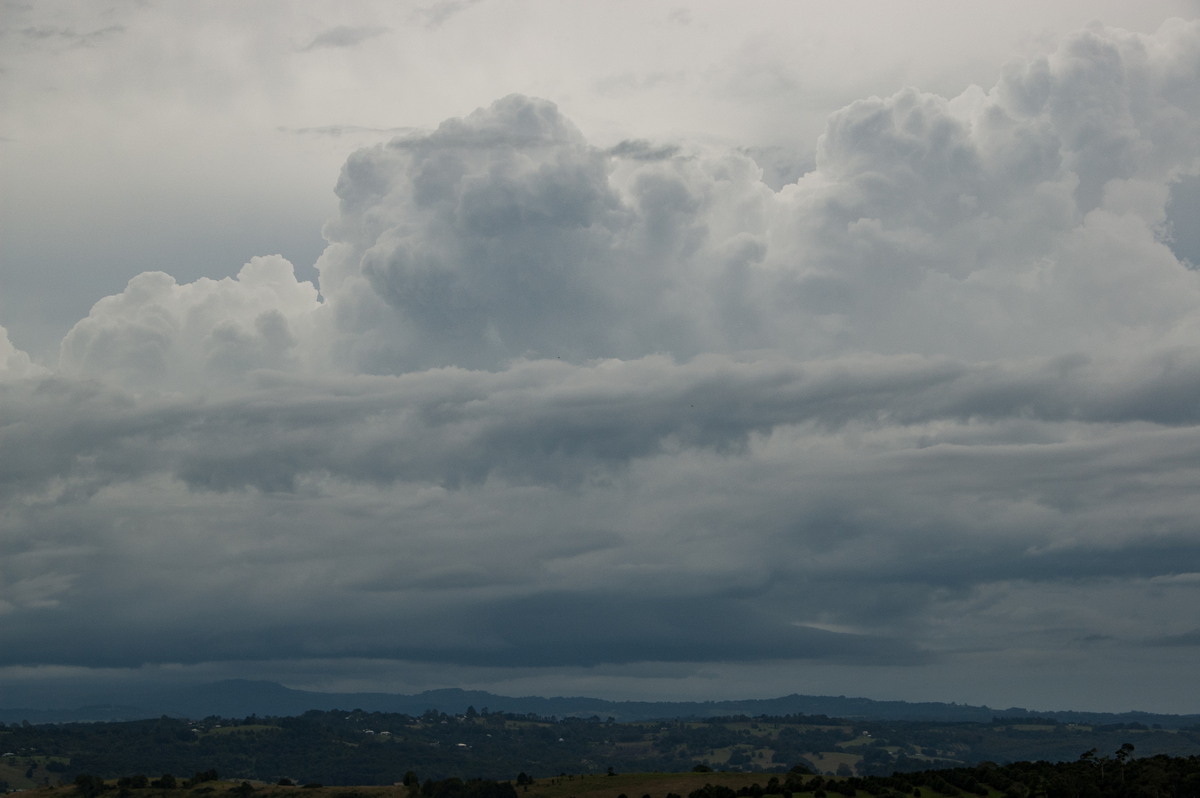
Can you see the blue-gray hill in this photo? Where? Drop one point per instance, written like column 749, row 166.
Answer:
column 241, row 698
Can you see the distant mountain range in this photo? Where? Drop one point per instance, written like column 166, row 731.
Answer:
column 240, row 698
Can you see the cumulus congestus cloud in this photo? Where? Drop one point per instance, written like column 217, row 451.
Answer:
column 1025, row 220
column 197, row 336
column 553, row 404
column 995, row 215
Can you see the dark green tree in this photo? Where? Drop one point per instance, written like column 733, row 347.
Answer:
column 89, row 785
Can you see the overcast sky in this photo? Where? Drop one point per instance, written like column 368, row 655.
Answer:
column 629, row 349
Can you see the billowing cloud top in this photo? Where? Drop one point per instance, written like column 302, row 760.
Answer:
column 562, row 405
column 187, row 336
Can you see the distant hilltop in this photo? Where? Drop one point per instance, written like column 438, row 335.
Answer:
column 239, row 698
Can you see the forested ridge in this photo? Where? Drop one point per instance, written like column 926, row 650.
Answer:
column 363, row 748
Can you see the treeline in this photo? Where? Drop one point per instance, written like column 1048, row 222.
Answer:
column 1090, row 777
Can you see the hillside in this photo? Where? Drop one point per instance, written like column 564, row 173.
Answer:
column 359, row 747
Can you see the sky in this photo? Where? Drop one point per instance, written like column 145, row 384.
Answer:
column 646, row 350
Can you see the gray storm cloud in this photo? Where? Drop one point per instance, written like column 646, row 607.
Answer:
column 555, row 404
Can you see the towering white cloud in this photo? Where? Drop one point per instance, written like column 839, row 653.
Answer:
column 1028, row 219
column 994, row 215
column 486, row 239
column 997, row 215
column 505, row 234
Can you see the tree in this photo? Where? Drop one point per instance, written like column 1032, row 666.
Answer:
column 1121, row 755
column 200, row 777
column 89, row 785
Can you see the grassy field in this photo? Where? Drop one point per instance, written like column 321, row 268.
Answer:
column 249, row 728
column 635, row 785
column 23, row 772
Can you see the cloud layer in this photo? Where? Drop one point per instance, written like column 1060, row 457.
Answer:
column 928, row 409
